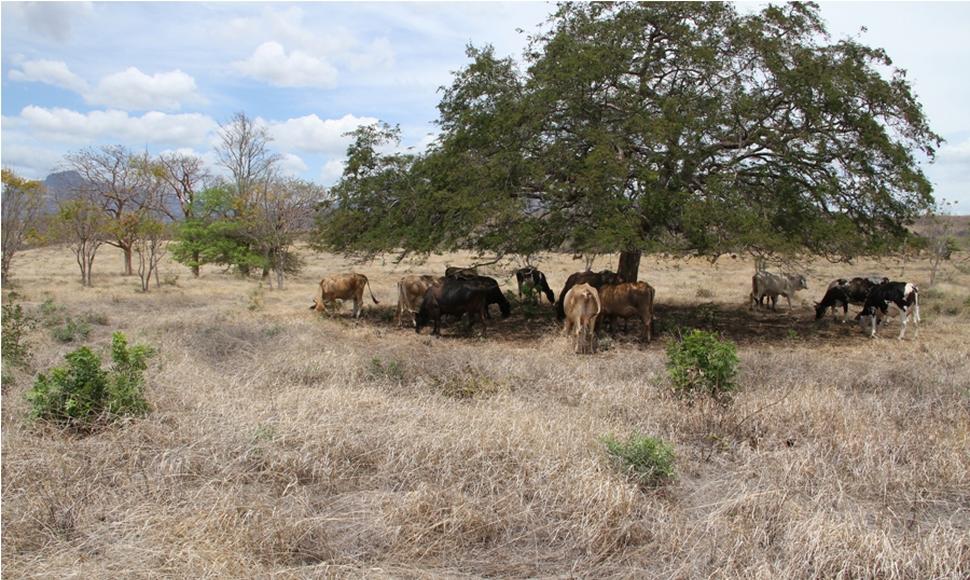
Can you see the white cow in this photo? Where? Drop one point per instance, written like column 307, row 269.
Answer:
column 772, row 285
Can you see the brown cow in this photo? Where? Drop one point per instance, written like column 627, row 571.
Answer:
column 410, row 293
column 343, row 287
column 582, row 306
column 628, row 300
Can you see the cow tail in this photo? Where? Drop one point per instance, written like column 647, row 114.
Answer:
column 371, row 293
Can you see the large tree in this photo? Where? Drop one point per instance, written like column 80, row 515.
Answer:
column 124, row 185
column 686, row 127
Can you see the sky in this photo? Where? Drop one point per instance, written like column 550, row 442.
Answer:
column 161, row 76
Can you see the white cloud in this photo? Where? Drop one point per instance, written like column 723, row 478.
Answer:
column 332, row 171
column 955, row 152
column 153, row 127
column 377, row 54
column 291, row 164
column 311, row 133
column 30, row 161
column 51, row 72
column 272, row 64
column 133, row 89
column 129, row 89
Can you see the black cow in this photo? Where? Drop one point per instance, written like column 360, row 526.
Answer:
column 537, row 279
column 594, row 279
column 455, row 297
column 844, row 292
column 904, row 296
column 494, row 293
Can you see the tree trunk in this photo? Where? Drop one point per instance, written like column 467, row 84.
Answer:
column 629, row 265
column 129, row 271
column 195, row 264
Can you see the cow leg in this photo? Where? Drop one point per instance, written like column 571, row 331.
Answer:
column 872, row 331
column 568, row 327
column 788, row 298
column 904, row 318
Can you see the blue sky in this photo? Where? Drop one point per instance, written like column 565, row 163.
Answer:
column 162, row 76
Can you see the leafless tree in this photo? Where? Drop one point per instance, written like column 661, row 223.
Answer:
column 23, row 201
column 283, row 211
column 150, row 247
column 123, row 185
column 182, row 177
column 83, row 225
column 244, row 151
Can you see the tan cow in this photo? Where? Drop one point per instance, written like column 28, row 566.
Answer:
column 582, row 306
column 410, row 293
column 343, row 287
column 628, row 300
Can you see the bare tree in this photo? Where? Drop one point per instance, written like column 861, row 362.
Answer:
column 244, row 151
column 123, row 185
column 150, row 247
column 939, row 236
column 82, row 224
column 23, row 200
column 283, row 211
column 182, row 176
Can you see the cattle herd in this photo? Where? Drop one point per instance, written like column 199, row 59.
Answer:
column 590, row 299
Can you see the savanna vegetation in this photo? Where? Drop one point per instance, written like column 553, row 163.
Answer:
column 683, row 144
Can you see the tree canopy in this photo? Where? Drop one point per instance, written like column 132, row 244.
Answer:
column 684, row 127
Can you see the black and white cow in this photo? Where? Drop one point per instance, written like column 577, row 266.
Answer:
column 843, row 292
column 902, row 296
column 536, row 279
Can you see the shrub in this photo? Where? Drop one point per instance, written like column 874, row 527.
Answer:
column 82, row 393
column 391, row 370
column 16, row 325
column 705, row 293
column 648, row 460
column 701, row 363
column 73, row 330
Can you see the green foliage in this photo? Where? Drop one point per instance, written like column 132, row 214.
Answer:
column 217, row 234
column 16, row 325
column 648, row 460
column 391, row 370
column 73, row 330
column 81, row 394
column 694, row 128
column 700, row 363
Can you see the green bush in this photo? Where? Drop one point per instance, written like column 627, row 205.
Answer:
column 648, row 460
column 16, row 325
column 700, row 363
column 73, row 330
column 82, row 394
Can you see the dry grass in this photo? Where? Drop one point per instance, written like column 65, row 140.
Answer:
column 289, row 444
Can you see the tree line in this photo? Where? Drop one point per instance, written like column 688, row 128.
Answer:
column 247, row 220
column 689, row 128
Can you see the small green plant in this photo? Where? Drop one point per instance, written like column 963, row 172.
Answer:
column 82, row 394
column 73, row 330
column 702, row 363
column 51, row 314
column 16, row 325
column 792, row 334
column 391, row 370
column 648, row 460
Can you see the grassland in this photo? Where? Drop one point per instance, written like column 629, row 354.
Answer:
column 287, row 444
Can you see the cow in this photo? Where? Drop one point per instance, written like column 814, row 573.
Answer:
column 494, row 293
column 902, row 296
column 772, row 285
column 537, row 279
column 452, row 296
column 410, row 293
column 343, row 287
column 844, row 292
column 594, row 279
column 458, row 272
column 582, row 306
column 628, row 300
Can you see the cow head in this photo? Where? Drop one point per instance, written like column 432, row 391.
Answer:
column 802, row 283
